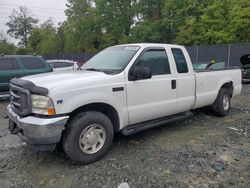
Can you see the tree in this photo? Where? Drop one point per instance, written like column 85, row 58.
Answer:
column 95, row 24
column 152, row 23
column 240, row 20
column 150, row 9
column 21, row 25
column 48, row 25
column 7, row 48
column 44, row 40
column 116, row 20
column 205, row 22
column 83, row 26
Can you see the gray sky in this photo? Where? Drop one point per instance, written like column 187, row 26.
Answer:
column 41, row 9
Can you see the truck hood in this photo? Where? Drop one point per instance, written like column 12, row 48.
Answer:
column 54, row 79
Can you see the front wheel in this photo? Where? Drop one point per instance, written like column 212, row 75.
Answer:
column 88, row 137
column 223, row 102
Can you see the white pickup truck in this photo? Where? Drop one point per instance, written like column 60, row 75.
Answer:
column 126, row 88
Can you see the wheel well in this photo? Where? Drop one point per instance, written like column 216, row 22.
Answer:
column 104, row 108
column 229, row 86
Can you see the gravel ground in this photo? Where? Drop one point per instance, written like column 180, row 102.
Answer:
column 203, row 151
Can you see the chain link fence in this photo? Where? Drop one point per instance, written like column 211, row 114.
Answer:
column 229, row 53
column 80, row 57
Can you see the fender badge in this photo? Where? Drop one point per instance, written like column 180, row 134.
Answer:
column 59, row 102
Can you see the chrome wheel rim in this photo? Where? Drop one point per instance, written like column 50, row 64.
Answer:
column 225, row 102
column 92, row 139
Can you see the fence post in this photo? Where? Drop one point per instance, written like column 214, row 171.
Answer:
column 228, row 54
column 197, row 53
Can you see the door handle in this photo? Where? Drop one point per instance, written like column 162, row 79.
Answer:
column 173, row 84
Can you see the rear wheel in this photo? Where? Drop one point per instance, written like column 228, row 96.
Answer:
column 88, row 137
column 223, row 102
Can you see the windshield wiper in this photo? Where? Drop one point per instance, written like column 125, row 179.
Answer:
column 106, row 71
column 93, row 69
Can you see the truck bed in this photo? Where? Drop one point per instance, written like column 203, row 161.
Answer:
column 208, row 84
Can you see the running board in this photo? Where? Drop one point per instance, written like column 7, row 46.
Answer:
column 131, row 129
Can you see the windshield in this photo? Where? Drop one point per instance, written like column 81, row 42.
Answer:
column 113, row 59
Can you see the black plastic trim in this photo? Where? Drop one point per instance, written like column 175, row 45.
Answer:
column 29, row 86
column 138, row 127
column 173, row 84
column 115, row 89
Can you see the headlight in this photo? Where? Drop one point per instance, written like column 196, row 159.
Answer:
column 42, row 105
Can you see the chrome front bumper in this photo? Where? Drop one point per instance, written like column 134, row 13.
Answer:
column 42, row 133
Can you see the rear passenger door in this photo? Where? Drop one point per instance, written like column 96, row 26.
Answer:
column 185, row 80
column 34, row 65
column 9, row 69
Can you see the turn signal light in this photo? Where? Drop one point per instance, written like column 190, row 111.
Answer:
column 51, row 111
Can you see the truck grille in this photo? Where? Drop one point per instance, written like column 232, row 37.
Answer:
column 20, row 100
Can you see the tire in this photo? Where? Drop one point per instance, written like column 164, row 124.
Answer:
column 87, row 137
column 222, row 104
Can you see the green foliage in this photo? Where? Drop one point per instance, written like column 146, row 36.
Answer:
column 24, row 51
column 150, row 9
column 92, row 25
column 21, row 24
column 116, row 18
column 83, row 26
column 6, row 48
column 240, row 23
column 44, row 40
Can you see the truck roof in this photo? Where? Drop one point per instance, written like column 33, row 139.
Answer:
column 152, row 45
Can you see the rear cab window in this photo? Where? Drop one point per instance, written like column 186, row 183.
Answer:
column 33, row 63
column 180, row 60
column 8, row 64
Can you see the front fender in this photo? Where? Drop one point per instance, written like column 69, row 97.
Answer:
column 117, row 101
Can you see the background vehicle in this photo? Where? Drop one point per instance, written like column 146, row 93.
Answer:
column 200, row 66
column 15, row 66
column 245, row 61
column 127, row 88
column 62, row 64
column 209, row 66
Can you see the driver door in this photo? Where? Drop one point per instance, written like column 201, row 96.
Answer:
column 155, row 97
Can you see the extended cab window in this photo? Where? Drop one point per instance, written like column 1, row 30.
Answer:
column 8, row 64
column 32, row 63
column 180, row 60
column 156, row 60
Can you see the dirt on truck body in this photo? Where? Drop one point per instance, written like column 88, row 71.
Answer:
column 203, row 151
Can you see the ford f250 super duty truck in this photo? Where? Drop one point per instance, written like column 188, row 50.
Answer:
column 126, row 88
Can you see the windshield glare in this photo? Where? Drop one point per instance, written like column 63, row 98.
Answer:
column 112, row 59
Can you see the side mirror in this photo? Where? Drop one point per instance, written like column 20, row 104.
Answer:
column 140, row 73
